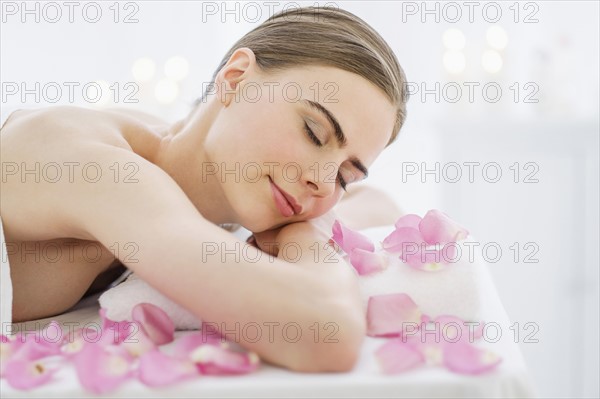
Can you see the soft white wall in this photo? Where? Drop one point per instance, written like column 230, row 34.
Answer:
column 559, row 214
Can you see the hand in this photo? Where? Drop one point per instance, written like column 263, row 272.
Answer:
column 307, row 232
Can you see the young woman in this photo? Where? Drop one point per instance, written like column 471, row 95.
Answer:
column 300, row 108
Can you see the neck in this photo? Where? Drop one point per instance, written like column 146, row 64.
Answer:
column 184, row 157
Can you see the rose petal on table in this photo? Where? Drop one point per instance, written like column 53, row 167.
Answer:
column 101, row 369
column 220, row 360
column 33, row 346
column 349, row 239
column 25, row 374
column 437, row 228
column 186, row 344
column 366, row 262
column 155, row 323
column 74, row 341
column 114, row 332
column 138, row 343
column 157, row 369
column 464, row 358
column 396, row 356
column 391, row 314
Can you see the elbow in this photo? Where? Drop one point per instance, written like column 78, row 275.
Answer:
column 339, row 346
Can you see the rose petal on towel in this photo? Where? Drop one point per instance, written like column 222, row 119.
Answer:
column 102, row 369
column 437, row 228
column 220, row 360
column 428, row 342
column 464, row 358
column 155, row 323
column 410, row 220
column 349, row 239
column 396, row 356
column 114, row 332
column 157, row 369
column 428, row 259
column 366, row 262
column 25, row 374
column 186, row 344
column 455, row 329
column 403, row 240
column 389, row 315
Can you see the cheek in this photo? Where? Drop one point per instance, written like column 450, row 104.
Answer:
column 325, row 205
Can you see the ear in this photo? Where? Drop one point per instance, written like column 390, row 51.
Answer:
column 238, row 68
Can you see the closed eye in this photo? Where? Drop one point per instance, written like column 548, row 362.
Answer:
column 343, row 183
column 312, row 135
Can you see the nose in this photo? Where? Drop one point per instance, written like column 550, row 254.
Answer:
column 321, row 180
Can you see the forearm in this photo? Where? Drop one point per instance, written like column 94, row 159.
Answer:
column 244, row 292
column 308, row 247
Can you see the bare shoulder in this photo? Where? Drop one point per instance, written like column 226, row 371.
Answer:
column 50, row 158
column 52, row 125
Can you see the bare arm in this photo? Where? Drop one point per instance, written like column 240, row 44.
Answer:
column 184, row 256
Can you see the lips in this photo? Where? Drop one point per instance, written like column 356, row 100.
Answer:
column 286, row 204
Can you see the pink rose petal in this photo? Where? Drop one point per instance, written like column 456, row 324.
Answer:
column 33, row 348
column 101, row 369
column 157, row 369
column 390, row 314
column 220, row 360
column 349, row 239
column 396, row 356
column 427, row 259
column 114, row 332
column 403, row 239
column 437, row 228
column 409, row 220
column 155, row 323
column 456, row 329
column 366, row 262
column 186, row 344
column 464, row 358
column 138, row 343
column 74, row 341
column 25, row 374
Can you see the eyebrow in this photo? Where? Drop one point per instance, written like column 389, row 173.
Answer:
column 339, row 133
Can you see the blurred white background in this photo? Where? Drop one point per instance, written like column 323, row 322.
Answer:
column 532, row 115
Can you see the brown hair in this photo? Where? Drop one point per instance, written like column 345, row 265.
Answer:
column 329, row 37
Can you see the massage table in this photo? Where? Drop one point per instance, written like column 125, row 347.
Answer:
column 465, row 290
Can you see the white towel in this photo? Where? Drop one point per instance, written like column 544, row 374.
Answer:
column 6, row 292
column 453, row 291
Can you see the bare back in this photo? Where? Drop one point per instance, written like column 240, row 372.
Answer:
column 54, row 263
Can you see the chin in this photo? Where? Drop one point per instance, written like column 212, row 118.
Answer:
column 255, row 221
column 252, row 207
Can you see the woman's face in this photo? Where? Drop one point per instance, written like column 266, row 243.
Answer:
column 263, row 136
